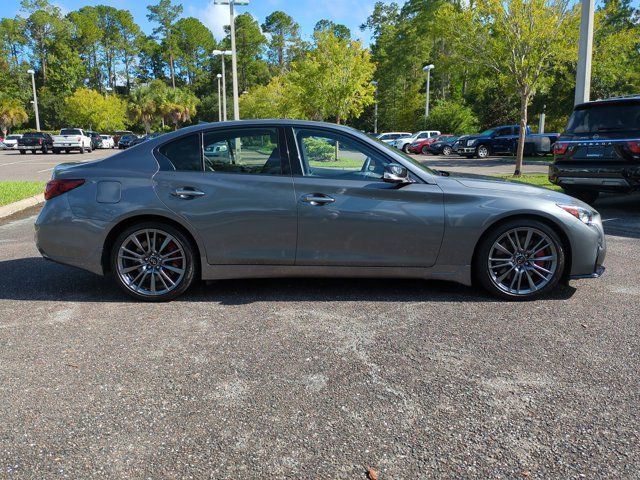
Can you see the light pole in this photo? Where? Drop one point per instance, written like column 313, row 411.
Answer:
column 35, row 97
column 583, row 72
column 427, row 69
column 375, row 106
column 222, row 53
column 234, row 61
column 219, row 76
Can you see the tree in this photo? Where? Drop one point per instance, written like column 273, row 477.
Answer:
column 194, row 43
column 250, row 46
column 280, row 98
column 452, row 117
column 146, row 104
column 12, row 114
column 165, row 13
column 285, row 38
column 12, row 38
column 90, row 109
column 337, row 29
column 180, row 105
column 520, row 41
column 334, row 78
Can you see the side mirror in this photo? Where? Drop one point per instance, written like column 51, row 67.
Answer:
column 396, row 174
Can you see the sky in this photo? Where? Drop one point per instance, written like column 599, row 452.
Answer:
column 351, row 13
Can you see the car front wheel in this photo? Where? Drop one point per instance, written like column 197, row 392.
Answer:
column 520, row 260
column 446, row 151
column 153, row 261
column 482, row 151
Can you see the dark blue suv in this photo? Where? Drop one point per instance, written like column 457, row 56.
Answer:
column 600, row 149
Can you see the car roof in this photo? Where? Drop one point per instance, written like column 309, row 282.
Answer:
column 631, row 99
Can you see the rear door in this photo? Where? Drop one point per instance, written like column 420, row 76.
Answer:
column 235, row 188
column 503, row 140
column 347, row 216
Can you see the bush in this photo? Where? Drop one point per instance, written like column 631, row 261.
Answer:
column 452, row 117
column 319, row 150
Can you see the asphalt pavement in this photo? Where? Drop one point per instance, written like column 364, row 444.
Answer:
column 318, row 378
column 14, row 166
column 38, row 166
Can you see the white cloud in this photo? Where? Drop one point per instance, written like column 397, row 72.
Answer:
column 216, row 17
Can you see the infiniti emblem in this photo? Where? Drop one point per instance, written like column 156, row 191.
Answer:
column 596, row 136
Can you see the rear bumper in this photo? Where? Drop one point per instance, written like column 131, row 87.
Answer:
column 603, row 178
column 599, row 271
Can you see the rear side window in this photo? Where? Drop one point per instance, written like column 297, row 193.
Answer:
column 184, row 153
column 250, row 150
column 620, row 117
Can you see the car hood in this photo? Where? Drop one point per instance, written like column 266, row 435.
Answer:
column 511, row 187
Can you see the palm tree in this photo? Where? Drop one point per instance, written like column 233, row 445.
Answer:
column 180, row 105
column 12, row 114
column 146, row 103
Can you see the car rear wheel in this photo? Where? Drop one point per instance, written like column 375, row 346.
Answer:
column 153, row 261
column 405, row 148
column 446, row 150
column 23, row 152
column 520, row 260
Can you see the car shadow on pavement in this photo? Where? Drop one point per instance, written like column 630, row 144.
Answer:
column 36, row 279
column 620, row 214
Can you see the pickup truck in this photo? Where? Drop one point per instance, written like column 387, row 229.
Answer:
column 72, row 139
column 403, row 143
column 599, row 150
column 35, row 142
column 504, row 140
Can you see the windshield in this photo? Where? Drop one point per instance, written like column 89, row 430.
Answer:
column 612, row 117
column 13, row 137
column 487, row 133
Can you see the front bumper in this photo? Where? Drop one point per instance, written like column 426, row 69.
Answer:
column 466, row 150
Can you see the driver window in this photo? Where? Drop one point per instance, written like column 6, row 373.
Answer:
column 330, row 155
column 252, row 151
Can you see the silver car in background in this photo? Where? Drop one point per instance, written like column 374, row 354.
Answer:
column 284, row 198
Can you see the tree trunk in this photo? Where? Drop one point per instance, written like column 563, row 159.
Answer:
column 173, row 75
column 524, row 105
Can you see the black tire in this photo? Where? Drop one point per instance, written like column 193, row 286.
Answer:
column 446, row 150
column 45, row 150
column 587, row 196
column 190, row 266
column 82, row 149
column 425, row 150
column 405, row 148
column 483, row 151
column 23, row 152
column 481, row 270
column 56, row 151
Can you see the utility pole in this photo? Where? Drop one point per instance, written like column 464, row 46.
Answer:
column 585, row 49
column 219, row 76
column 222, row 53
column 234, row 55
column 427, row 69
column 35, row 97
column 375, row 106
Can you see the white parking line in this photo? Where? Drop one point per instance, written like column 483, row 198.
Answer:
column 13, row 163
column 46, row 170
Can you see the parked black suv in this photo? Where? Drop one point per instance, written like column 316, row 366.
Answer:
column 35, row 142
column 600, row 149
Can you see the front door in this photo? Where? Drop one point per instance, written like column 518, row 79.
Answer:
column 235, row 188
column 348, row 216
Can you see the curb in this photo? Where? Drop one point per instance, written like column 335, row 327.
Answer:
column 15, row 207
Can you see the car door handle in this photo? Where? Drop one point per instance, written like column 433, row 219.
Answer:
column 186, row 193
column 317, row 199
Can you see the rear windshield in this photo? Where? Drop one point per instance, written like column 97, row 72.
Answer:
column 612, row 117
column 33, row 135
column 70, row 131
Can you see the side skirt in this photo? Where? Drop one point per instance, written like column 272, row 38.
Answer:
column 454, row 273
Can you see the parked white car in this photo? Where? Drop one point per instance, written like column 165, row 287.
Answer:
column 390, row 137
column 107, row 141
column 404, row 142
column 11, row 141
column 72, row 139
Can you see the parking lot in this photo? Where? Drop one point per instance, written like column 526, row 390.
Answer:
column 317, row 378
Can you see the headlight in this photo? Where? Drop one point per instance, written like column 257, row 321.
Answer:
column 470, row 143
column 582, row 214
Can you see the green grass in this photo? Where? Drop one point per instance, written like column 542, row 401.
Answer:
column 13, row 191
column 343, row 162
column 539, row 180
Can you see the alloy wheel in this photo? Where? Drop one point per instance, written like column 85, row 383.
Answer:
column 483, row 152
column 151, row 262
column 522, row 261
column 446, row 150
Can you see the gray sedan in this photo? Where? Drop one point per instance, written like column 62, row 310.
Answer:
column 282, row 198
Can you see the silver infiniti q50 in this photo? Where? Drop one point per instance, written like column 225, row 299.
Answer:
column 280, row 198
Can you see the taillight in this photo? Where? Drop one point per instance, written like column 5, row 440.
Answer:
column 39, row 141
column 58, row 187
column 634, row 146
column 560, row 148
column 78, row 138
